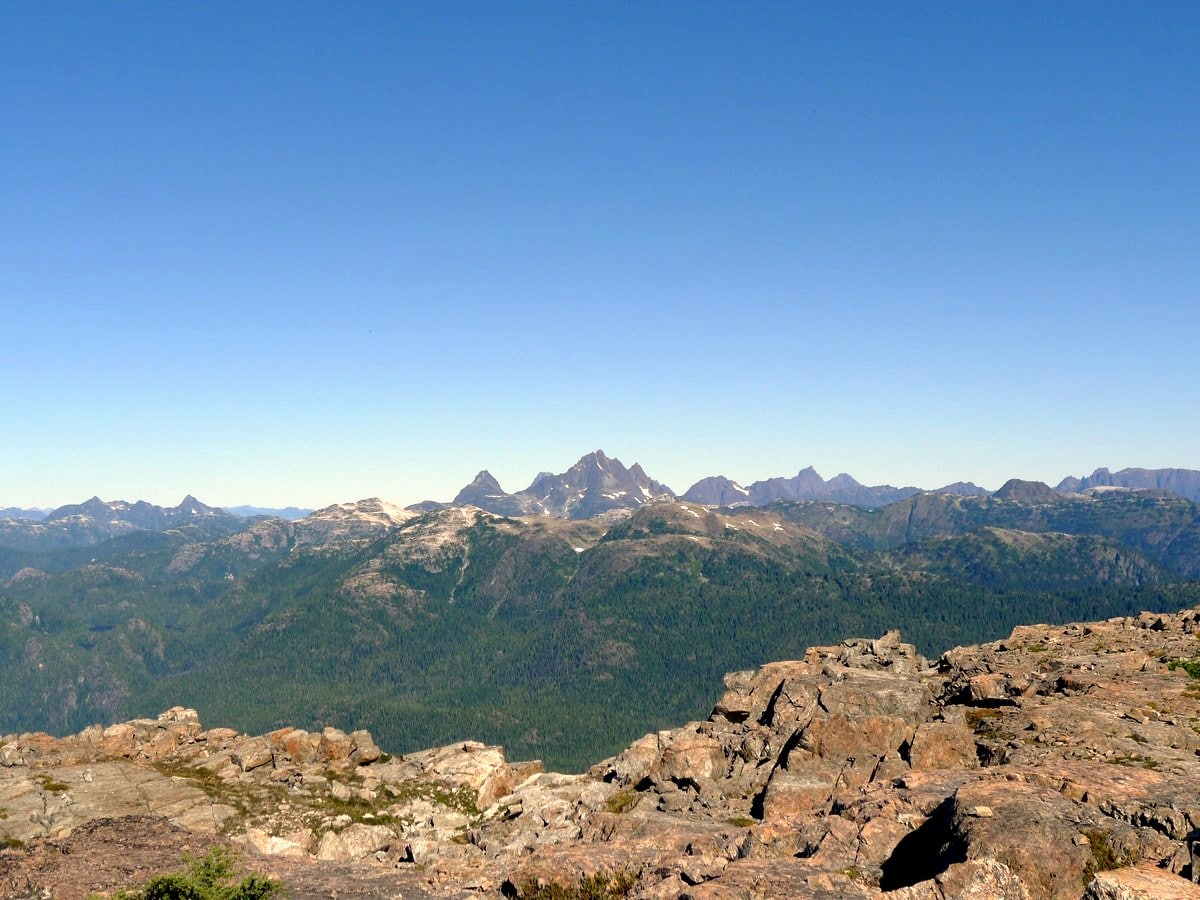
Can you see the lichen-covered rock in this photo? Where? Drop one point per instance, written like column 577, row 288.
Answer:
column 260, row 841
column 354, row 843
column 985, row 879
column 1141, row 883
column 252, row 753
column 943, row 745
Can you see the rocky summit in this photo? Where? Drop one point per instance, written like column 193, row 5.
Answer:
column 1060, row 762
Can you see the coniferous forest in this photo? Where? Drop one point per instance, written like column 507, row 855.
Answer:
column 560, row 640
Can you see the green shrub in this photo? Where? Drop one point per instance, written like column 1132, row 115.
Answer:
column 622, row 801
column 207, row 878
column 1104, row 855
column 1191, row 666
column 590, row 887
column 52, row 785
column 1133, row 759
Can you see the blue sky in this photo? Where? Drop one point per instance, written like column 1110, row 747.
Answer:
column 295, row 253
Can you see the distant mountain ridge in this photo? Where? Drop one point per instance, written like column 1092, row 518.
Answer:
column 34, row 514
column 286, row 512
column 1184, row 483
column 808, row 485
column 96, row 520
column 142, row 515
column 596, row 484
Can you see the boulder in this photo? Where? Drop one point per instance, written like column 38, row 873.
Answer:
column 692, row 758
column 984, row 879
column 1141, row 883
column 943, row 745
column 259, row 841
column 335, row 745
column 365, row 751
column 356, row 842
column 251, row 754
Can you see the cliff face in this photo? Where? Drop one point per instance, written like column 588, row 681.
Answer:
column 1060, row 762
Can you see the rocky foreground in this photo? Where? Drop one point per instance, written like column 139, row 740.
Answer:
column 1061, row 762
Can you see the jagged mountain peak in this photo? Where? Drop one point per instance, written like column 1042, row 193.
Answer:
column 590, row 467
column 189, row 505
column 596, row 483
column 485, row 492
column 485, row 479
column 484, row 483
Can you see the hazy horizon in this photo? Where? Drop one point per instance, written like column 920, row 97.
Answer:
column 513, row 486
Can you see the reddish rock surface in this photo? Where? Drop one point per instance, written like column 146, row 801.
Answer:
column 1060, row 762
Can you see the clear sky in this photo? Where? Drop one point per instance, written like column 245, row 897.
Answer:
column 301, row 253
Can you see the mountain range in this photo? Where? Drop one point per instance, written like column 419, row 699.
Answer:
column 95, row 520
column 559, row 637
column 1181, row 482
column 596, row 615
column 718, row 490
column 34, row 514
column 286, row 512
column 598, row 484
column 595, row 485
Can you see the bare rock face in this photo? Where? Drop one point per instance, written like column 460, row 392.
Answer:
column 1141, row 883
column 1061, row 762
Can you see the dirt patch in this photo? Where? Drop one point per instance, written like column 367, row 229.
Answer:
column 106, row 855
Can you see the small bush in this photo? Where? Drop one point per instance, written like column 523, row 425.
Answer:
column 621, row 801
column 51, row 785
column 1133, row 759
column 983, row 721
column 1104, row 855
column 1191, row 666
column 590, row 887
column 207, row 878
